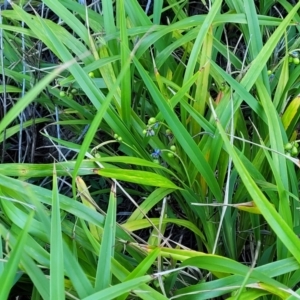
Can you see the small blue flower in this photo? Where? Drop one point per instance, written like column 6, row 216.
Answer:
column 156, row 153
column 295, row 54
column 150, row 132
column 156, row 125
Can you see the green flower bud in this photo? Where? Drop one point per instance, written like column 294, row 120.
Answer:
column 269, row 72
column 173, row 148
column 288, row 146
column 62, row 94
column 115, row 136
column 91, row 75
column 73, row 91
column 151, row 121
column 170, row 154
column 168, row 132
column 296, row 60
column 294, row 151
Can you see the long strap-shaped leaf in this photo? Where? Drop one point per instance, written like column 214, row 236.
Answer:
column 277, row 223
column 107, row 249
column 9, row 272
column 57, row 290
column 181, row 134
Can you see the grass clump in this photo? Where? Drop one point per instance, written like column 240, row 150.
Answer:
column 149, row 151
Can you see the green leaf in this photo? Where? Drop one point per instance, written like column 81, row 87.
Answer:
column 57, row 289
column 135, row 176
column 107, row 249
column 8, row 275
column 141, row 224
column 119, row 289
column 141, row 269
column 277, row 223
column 181, row 134
column 216, row 263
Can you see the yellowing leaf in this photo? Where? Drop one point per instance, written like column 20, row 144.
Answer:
column 88, row 201
column 249, row 207
column 292, row 113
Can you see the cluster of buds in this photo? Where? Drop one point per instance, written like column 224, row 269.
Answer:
column 157, row 152
column 152, row 124
column 150, row 131
column 118, row 138
column 292, row 148
column 69, row 93
column 294, row 57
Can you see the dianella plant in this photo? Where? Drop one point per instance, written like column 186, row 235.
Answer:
column 149, row 149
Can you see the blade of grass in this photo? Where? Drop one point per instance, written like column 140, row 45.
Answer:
column 20, row 105
column 291, row 116
column 119, row 289
column 10, row 270
column 126, row 80
column 202, row 84
column 76, row 274
column 261, row 59
column 16, row 128
column 255, row 38
column 216, row 288
column 144, row 223
column 28, row 263
column 57, row 289
column 2, row 262
column 157, row 10
column 280, row 163
column 88, row 201
column 108, row 17
column 277, row 223
column 140, row 177
column 213, row 263
column 256, row 68
column 181, row 134
column 33, row 22
column 69, row 18
column 136, row 13
column 209, row 18
column 156, row 196
column 103, row 275
column 76, row 69
column 141, row 269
